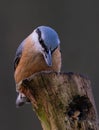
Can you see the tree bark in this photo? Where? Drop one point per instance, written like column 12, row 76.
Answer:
column 62, row 101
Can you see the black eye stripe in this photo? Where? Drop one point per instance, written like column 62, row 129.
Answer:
column 41, row 40
column 39, row 33
column 53, row 50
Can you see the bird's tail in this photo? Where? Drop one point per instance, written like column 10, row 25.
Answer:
column 21, row 100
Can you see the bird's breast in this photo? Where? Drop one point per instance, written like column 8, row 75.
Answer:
column 32, row 61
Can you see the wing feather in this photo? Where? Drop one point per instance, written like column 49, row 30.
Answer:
column 18, row 55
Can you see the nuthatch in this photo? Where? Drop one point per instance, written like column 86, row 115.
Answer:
column 40, row 51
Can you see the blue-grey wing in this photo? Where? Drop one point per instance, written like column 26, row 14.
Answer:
column 18, row 55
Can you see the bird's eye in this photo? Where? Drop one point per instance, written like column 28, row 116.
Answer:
column 40, row 40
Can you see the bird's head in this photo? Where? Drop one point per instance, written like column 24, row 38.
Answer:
column 47, row 41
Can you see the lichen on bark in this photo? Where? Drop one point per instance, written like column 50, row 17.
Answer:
column 62, row 101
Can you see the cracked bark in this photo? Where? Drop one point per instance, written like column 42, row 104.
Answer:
column 62, row 101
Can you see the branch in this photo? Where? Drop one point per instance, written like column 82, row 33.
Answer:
column 62, row 101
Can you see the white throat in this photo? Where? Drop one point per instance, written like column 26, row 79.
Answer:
column 35, row 40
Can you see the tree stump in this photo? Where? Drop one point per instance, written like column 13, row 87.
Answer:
column 62, row 101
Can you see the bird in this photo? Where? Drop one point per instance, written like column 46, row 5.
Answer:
column 40, row 51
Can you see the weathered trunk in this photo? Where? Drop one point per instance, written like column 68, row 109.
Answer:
column 62, row 101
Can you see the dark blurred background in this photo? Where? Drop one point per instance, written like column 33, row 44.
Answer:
column 77, row 23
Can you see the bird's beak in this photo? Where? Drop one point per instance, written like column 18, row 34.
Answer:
column 48, row 58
